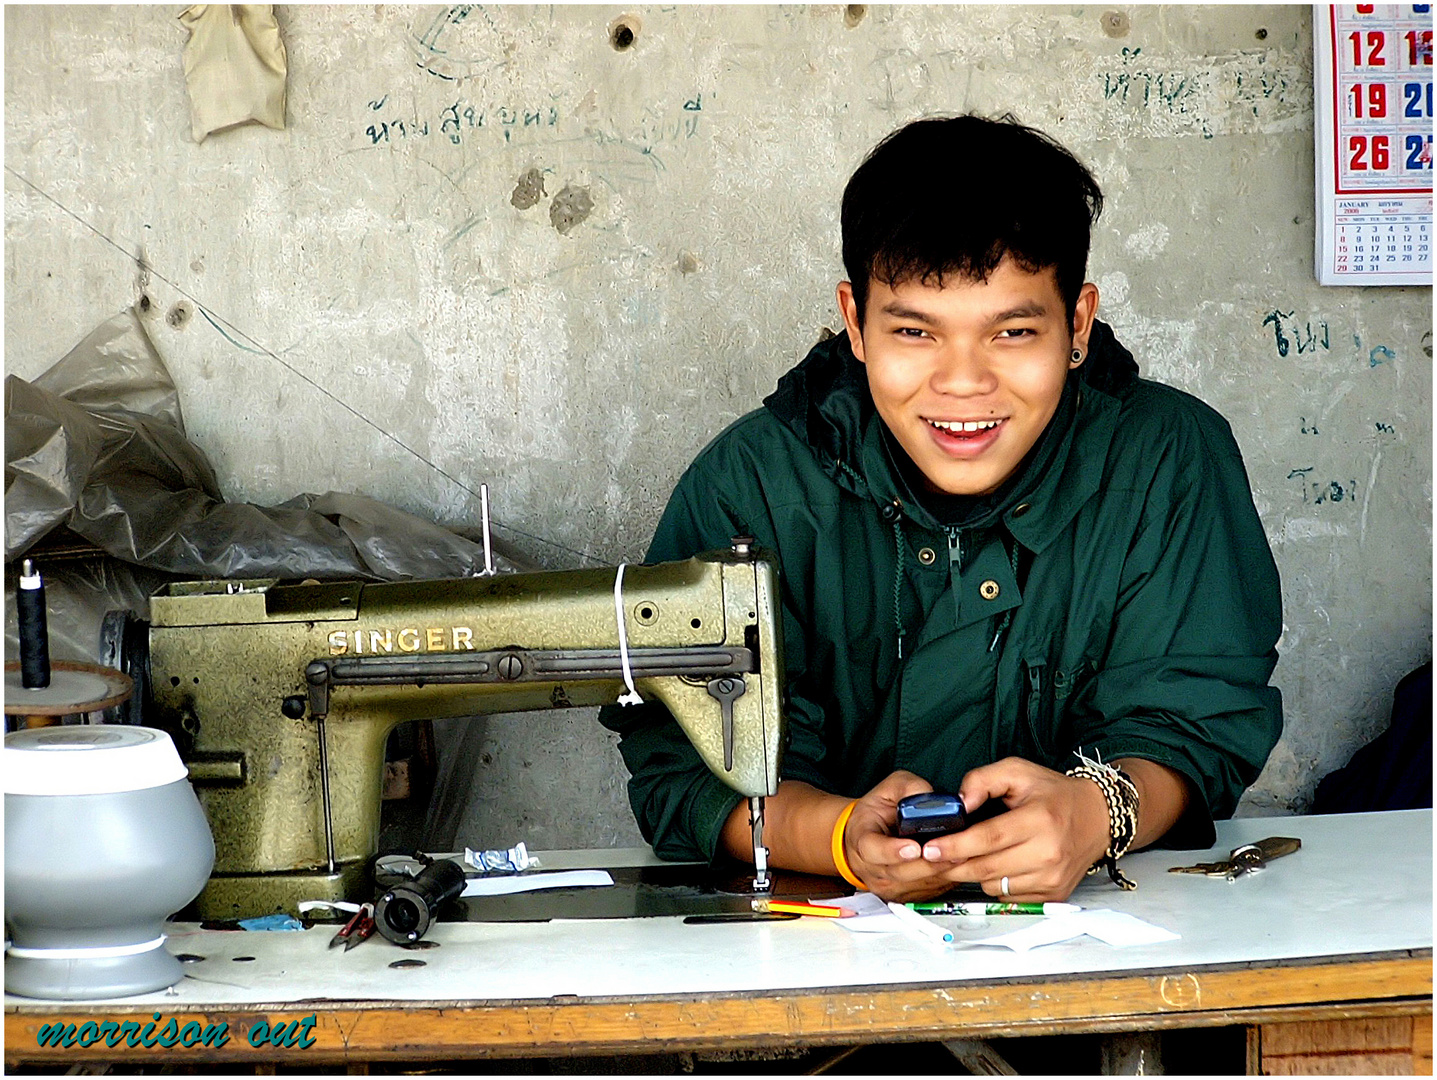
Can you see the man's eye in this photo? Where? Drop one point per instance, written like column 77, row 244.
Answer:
column 911, row 332
column 1015, row 332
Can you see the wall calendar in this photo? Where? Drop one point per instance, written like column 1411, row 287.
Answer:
column 1372, row 76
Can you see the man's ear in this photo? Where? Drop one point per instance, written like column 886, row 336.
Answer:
column 848, row 308
column 1083, row 314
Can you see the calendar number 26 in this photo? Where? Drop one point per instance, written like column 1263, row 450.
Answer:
column 1360, row 145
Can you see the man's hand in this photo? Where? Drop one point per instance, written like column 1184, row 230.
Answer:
column 1055, row 828
column 892, row 867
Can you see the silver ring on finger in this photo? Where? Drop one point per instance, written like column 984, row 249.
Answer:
column 1003, row 886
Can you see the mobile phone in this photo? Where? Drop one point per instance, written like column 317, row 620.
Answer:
column 931, row 814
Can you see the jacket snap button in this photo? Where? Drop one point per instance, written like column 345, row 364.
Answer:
column 889, row 512
column 989, row 590
column 1021, row 509
column 926, row 556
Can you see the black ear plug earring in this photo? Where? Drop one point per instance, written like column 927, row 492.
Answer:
column 1077, row 358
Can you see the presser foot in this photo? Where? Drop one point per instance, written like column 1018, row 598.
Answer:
column 762, row 882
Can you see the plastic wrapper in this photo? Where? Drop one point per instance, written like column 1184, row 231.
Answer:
column 514, row 860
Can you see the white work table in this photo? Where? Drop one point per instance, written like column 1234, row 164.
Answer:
column 1343, row 925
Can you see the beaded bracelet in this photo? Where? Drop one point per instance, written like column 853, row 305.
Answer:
column 1121, row 795
column 840, row 860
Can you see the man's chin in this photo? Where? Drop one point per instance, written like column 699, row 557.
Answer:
column 970, row 485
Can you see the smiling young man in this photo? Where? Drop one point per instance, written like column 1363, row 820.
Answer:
column 1012, row 569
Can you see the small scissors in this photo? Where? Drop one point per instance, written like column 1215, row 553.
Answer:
column 359, row 927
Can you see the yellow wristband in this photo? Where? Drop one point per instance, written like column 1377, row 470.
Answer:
column 839, row 860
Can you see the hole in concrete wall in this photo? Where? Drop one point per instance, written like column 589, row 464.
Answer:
column 570, row 206
column 1116, row 23
column 147, row 306
column 624, row 31
column 179, row 315
column 853, row 14
column 1261, row 33
column 528, row 191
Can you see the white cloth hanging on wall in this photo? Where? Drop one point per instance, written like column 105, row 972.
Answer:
column 235, row 66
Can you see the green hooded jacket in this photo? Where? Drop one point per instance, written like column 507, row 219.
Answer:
column 1117, row 595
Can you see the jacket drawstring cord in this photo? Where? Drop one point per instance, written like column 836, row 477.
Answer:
column 898, row 580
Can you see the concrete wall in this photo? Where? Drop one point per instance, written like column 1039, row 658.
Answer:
column 490, row 246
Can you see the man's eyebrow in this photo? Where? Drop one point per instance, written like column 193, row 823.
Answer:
column 1032, row 309
column 898, row 311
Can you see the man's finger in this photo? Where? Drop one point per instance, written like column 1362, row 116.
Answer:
column 876, row 849
column 1006, row 777
column 899, row 785
column 985, row 838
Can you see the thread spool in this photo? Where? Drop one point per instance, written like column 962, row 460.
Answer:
column 41, row 691
column 34, row 633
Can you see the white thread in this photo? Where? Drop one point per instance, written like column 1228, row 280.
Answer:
column 96, row 952
column 632, row 697
column 306, row 906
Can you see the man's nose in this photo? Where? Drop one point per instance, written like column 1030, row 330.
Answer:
column 963, row 371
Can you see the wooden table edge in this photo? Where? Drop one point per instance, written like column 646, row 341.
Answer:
column 1385, row 984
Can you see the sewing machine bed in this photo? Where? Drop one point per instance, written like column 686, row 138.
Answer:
column 654, row 889
column 646, row 886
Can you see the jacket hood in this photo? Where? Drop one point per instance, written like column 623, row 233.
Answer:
column 825, row 401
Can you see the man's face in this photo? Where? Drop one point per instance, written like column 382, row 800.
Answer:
column 967, row 376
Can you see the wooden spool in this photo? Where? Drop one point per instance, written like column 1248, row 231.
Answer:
column 75, row 689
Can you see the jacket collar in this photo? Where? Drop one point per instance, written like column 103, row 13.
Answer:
column 825, row 401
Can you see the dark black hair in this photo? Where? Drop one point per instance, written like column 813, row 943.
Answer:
column 953, row 195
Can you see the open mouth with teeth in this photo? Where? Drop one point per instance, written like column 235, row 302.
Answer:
column 965, row 436
column 964, row 426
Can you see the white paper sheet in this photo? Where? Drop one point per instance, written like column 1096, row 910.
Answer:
column 1114, row 928
column 517, row 883
column 871, row 915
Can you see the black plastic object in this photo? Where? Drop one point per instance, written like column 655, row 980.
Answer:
column 405, row 911
column 931, row 814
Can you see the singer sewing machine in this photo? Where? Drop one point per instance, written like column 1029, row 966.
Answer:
column 281, row 696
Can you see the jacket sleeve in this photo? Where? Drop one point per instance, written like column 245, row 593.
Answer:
column 681, row 806
column 1184, row 681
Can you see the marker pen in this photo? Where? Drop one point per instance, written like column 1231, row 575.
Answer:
column 957, row 908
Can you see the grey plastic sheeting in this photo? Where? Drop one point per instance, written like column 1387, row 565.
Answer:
column 97, row 443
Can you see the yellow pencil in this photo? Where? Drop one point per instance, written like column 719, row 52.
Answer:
column 785, row 907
